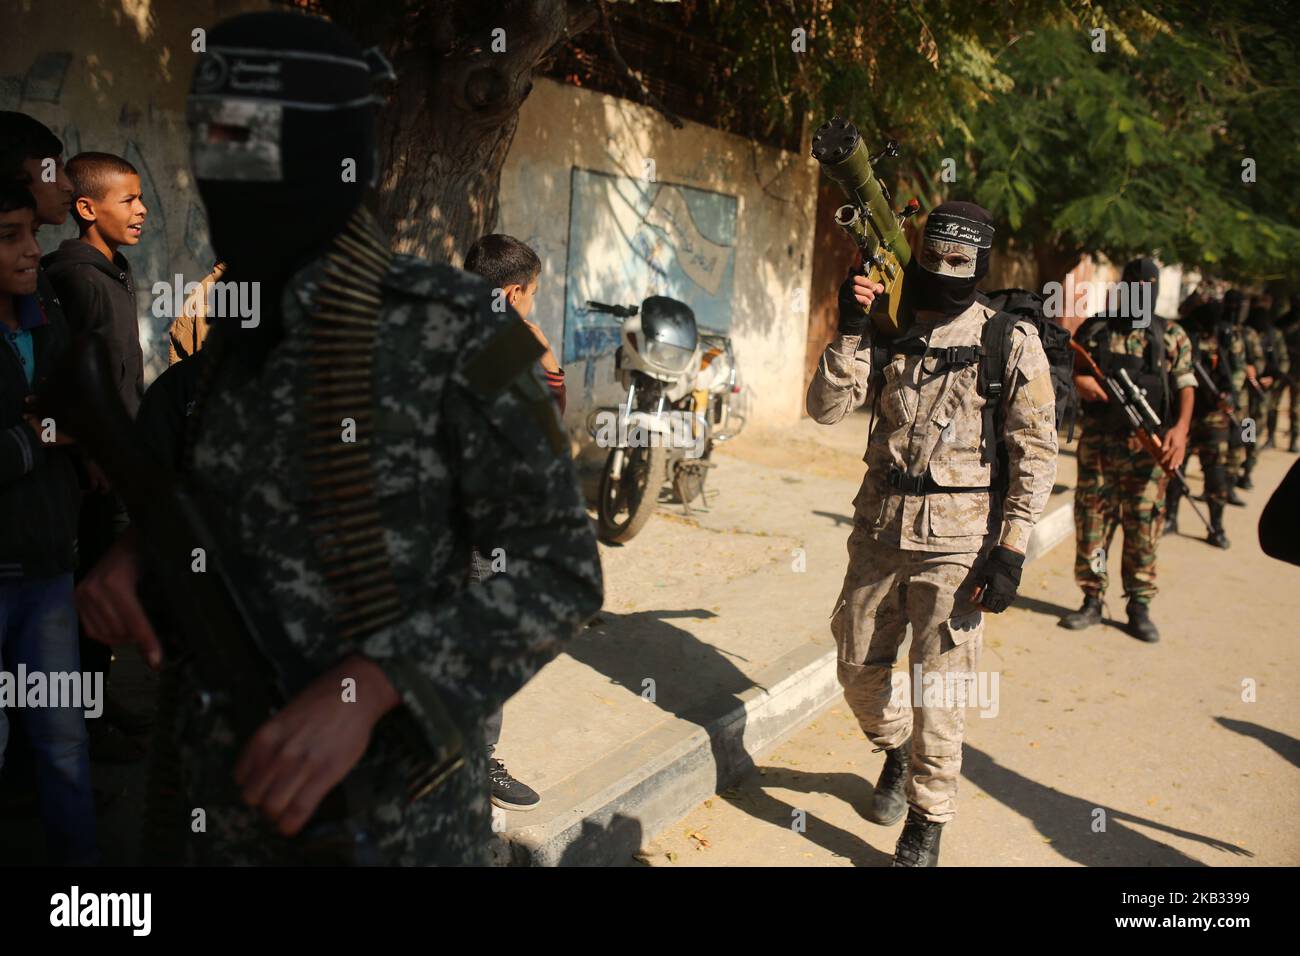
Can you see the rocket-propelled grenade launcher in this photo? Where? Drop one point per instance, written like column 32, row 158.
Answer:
column 868, row 216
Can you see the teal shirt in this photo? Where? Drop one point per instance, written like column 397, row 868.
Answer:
column 21, row 343
column 30, row 315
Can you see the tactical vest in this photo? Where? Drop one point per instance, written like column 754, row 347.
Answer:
column 1147, row 371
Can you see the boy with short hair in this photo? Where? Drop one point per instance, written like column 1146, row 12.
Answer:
column 31, row 156
column 91, row 276
column 39, row 495
column 93, row 279
column 513, row 269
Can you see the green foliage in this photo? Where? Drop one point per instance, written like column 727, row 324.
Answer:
column 1134, row 150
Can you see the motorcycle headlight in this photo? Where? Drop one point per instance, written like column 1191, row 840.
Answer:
column 667, row 357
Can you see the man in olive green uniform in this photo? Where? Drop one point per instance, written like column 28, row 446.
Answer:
column 1221, row 356
column 1235, row 309
column 1289, row 324
column 1272, row 375
column 1120, row 484
column 939, row 532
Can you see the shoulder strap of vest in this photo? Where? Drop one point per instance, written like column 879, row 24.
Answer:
column 1156, row 332
column 996, row 344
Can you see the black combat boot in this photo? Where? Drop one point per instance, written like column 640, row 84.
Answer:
column 1140, row 624
column 1171, row 511
column 919, row 844
column 889, row 801
column 1245, row 484
column 1217, row 537
column 1088, row 615
column 1272, row 431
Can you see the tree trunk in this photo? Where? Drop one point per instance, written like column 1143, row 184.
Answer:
column 443, row 136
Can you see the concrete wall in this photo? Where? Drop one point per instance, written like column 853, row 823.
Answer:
column 111, row 75
column 562, row 128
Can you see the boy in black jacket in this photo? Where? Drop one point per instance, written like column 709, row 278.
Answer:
column 94, row 282
column 38, row 510
column 93, row 279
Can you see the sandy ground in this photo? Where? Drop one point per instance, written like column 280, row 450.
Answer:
column 1104, row 751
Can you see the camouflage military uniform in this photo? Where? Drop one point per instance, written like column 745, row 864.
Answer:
column 1291, row 336
column 1244, row 453
column 1277, row 363
column 1225, row 361
column 913, row 556
column 1119, row 484
column 459, row 455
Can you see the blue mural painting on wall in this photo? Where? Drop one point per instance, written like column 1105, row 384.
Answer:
column 628, row 239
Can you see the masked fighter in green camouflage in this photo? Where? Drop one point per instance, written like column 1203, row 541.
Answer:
column 1221, row 354
column 1119, row 484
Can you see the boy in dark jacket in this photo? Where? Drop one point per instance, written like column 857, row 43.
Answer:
column 94, row 282
column 38, row 510
column 93, row 279
column 514, row 271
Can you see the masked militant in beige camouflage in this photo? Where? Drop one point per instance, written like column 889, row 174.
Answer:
column 912, row 557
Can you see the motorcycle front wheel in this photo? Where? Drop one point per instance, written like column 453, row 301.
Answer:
column 626, row 504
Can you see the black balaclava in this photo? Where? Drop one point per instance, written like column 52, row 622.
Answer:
column 279, row 105
column 1259, row 319
column 934, row 284
column 1204, row 317
column 1141, row 270
column 1234, row 307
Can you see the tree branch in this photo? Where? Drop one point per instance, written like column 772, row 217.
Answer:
column 647, row 97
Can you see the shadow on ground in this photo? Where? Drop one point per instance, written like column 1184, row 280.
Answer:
column 1068, row 821
column 1286, row 747
column 754, row 799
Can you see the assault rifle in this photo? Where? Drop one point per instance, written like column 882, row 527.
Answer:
column 1142, row 418
column 1222, row 400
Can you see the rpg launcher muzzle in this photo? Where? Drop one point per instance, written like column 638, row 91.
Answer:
column 868, row 216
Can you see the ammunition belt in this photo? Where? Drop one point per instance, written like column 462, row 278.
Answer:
column 345, row 525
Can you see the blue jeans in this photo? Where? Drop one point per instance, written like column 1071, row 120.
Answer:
column 38, row 628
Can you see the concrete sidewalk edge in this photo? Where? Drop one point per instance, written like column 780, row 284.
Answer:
column 611, row 808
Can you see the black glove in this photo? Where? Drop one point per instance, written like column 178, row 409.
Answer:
column 1000, row 579
column 853, row 318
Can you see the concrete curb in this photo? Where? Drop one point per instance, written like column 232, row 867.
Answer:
column 609, row 809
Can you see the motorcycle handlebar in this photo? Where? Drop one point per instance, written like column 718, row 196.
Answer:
column 622, row 311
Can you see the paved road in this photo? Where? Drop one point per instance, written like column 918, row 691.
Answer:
column 1165, row 744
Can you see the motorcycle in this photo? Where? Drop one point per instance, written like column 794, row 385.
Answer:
column 684, row 395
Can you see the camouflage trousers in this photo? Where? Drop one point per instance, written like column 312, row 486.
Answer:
column 1209, row 442
column 885, row 590
column 1260, row 409
column 1117, row 487
column 1238, row 449
column 1292, row 404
